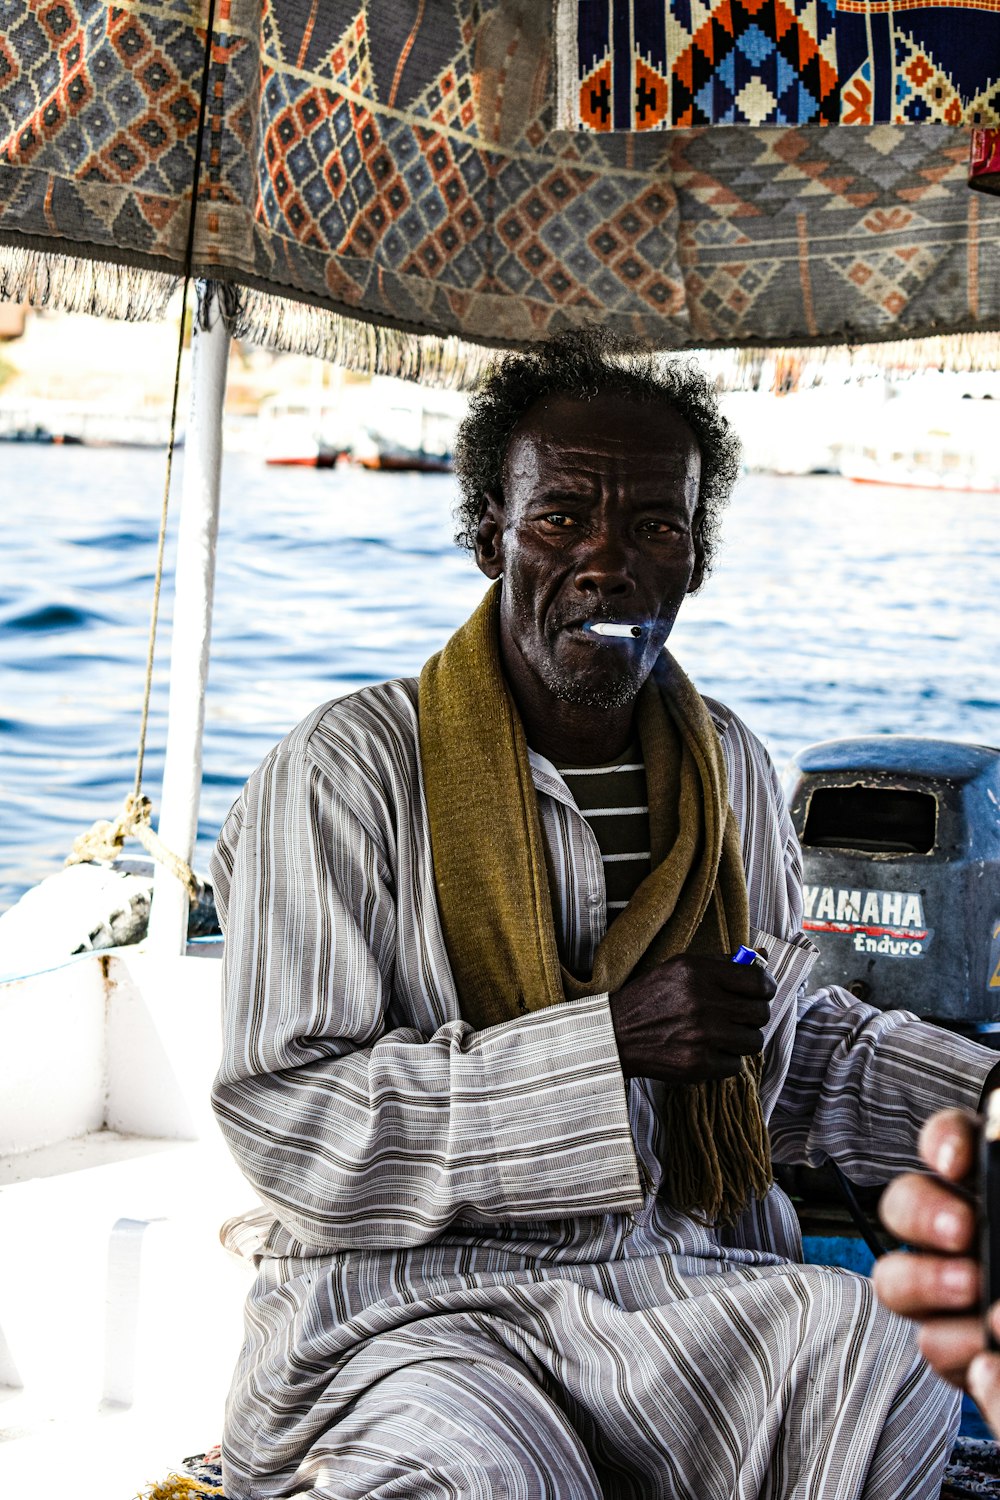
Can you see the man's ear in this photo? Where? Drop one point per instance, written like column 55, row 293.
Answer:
column 489, row 535
column 698, row 536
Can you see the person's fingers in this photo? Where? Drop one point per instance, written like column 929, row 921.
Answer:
column 922, row 1211
column 745, row 1012
column 994, row 1320
column 983, row 1380
column 948, row 1143
column 718, row 1064
column 741, row 1041
column 720, row 1009
column 751, row 980
column 922, row 1285
column 949, row 1344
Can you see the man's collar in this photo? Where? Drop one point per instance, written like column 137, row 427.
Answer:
column 546, row 778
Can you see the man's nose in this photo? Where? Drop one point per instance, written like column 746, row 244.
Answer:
column 603, row 565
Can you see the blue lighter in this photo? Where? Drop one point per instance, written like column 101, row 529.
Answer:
column 744, row 955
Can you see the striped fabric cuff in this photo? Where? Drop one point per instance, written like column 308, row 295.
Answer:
column 552, row 1087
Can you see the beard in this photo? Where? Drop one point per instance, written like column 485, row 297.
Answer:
column 613, row 686
column 612, row 683
column 610, row 691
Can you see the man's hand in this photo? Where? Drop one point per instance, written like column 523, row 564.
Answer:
column 691, row 1018
column 941, row 1289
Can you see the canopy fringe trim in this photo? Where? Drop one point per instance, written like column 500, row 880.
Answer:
column 452, row 362
column 132, row 293
column 77, row 284
column 786, row 369
column 369, row 348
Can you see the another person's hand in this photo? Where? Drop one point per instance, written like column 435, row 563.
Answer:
column 691, row 1019
column 941, row 1289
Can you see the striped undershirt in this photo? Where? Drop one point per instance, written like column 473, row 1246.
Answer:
column 614, row 801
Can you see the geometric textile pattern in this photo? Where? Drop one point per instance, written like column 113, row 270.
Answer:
column 658, row 64
column 98, row 110
column 399, row 164
column 843, row 235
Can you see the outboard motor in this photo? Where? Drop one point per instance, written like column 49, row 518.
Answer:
column 901, row 873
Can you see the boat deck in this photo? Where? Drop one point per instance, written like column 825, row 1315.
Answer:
column 120, row 1312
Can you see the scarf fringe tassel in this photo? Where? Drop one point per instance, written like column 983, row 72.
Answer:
column 727, row 1156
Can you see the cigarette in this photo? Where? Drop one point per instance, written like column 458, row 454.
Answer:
column 609, row 627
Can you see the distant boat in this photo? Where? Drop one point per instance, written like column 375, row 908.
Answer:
column 323, row 458
column 84, row 424
column 380, row 424
column 41, row 435
column 915, row 476
column 402, row 460
column 300, row 432
column 928, row 439
column 407, row 429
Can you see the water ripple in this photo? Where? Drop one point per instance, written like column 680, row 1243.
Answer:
column 51, row 619
column 832, row 610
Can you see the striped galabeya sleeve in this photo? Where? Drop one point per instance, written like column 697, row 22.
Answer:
column 356, row 1101
column 861, row 1083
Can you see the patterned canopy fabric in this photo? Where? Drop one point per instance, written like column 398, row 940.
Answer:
column 399, row 166
column 654, row 64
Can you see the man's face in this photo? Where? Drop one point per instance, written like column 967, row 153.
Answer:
column 594, row 525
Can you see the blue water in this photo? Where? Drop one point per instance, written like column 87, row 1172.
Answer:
column 835, row 609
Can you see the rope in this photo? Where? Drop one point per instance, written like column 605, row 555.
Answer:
column 172, row 440
column 104, row 840
column 103, row 843
column 160, row 546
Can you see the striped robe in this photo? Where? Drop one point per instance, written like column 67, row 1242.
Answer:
column 468, row 1282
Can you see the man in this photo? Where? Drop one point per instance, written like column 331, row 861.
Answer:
column 509, row 1104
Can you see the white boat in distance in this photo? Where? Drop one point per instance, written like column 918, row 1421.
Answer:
column 928, row 431
column 379, row 424
column 936, row 432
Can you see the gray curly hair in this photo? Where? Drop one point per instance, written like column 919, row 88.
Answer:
column 584, row 363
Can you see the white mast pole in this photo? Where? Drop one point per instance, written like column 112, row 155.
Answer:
column 192, row 628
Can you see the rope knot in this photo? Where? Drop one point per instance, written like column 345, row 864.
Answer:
column 103, row 843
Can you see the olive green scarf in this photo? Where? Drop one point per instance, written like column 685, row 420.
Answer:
column 496, row 907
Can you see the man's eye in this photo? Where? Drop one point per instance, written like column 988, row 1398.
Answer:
column 559, row 518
